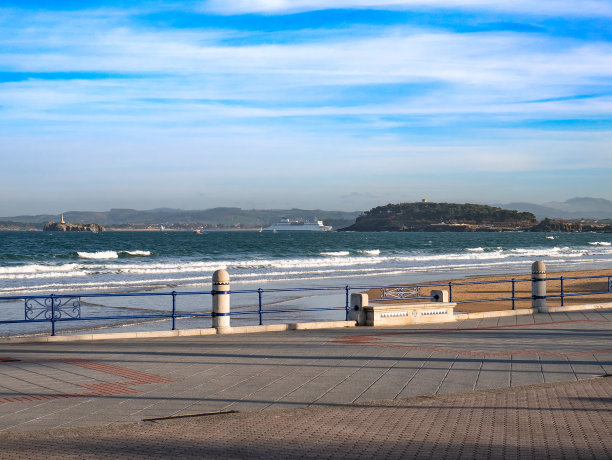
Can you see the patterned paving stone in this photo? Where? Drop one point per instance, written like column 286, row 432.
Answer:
column 559, row 420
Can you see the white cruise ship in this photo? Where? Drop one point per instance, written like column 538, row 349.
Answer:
column 288, row 225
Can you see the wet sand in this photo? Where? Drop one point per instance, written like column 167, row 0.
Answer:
column 479, row 292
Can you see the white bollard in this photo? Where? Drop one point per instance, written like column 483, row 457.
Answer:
column 538, row 286
column 221, row 300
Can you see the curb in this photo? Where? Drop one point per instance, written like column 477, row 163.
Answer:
column 183, row 332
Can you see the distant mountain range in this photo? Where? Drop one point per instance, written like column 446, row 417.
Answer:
column 215, row 217
column 574, row 208
column 229, row 217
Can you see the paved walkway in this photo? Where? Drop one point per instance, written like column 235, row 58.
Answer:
column 321, row 392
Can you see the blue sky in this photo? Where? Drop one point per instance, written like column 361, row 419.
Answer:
column 333, row 104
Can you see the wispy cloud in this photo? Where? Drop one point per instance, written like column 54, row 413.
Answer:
column 542, row 7
column 488, row 73
column 111, row 86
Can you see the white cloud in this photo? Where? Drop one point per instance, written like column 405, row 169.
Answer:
column 540, row 7
column 172, row 98
column 494, row 74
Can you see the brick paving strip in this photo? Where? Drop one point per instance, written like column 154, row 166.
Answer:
column 95, row 389
column 560, row 420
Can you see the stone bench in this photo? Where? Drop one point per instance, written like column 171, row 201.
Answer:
column 399, row 314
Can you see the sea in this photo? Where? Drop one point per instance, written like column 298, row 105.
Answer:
column 122, row 262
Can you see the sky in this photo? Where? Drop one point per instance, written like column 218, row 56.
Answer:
column 330, row 104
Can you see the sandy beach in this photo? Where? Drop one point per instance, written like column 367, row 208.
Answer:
column 464, row 292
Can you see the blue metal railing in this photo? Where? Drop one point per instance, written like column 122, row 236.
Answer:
column 39, row 309
column 562, row 294
column 68, row 308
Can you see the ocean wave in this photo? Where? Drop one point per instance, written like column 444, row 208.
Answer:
column 37, row 268
column 139, row 266
column 600, row 243
column 336, row 254
column 549, row 252
column 98, row 255
column 47, row 275
column 136, row 253
column 550, row 237
column 103, row 271
column 370, row 252
column 296, row 273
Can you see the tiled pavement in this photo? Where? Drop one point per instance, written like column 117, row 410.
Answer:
column 339, row 375
column 561, row 420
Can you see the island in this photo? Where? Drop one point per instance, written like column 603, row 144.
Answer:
column 72, row 227
column 453, row 217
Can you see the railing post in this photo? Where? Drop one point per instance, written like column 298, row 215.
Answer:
column 173, row 310
column 52, row 314
column 609, row 283
column 259, row 292
column 450, row 291
column 562, row 303
column 513, row 293
column 221, row 300
column 538, row 286
column 347, row 306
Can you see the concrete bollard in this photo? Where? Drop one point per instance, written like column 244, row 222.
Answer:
column 357, row 313
column 439, row 296
column 538, row 285
column 221, row 300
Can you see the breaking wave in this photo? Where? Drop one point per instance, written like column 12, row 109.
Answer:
column 370, row 252
column 98, row 255
column 336, row 254
column 136, row 253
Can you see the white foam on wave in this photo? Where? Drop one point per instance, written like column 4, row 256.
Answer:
column 475, row 250
column 98, row 255
column 600, row 243
column 35, row 276
column 370, row 252
column 100, row 285
column 136, row 253
column 550, row 252
column 37, row 268
column 335, row 254
column 550, row 237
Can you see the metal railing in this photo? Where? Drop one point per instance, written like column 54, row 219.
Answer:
column 69, row 307
column 414, row 291
column 562, row 294
column 52, row 308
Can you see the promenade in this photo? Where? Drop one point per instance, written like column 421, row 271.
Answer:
column 515, row 387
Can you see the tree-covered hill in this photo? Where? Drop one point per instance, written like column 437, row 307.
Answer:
column 425, row 216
